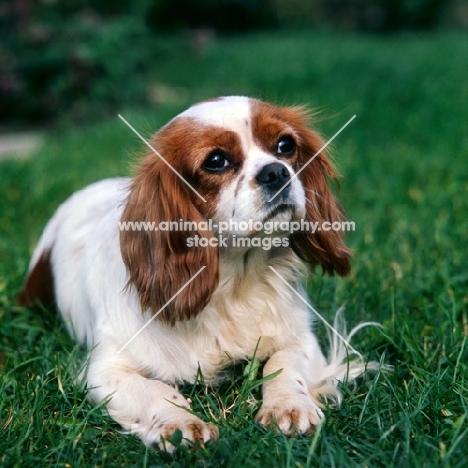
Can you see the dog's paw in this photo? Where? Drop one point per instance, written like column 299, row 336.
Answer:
column 291, row 414
column 179, row 427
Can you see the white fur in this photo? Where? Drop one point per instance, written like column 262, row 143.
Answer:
column 90, row 279
column 229, row 112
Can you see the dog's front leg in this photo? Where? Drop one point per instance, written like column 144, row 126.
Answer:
column 289, row 400
column 148, row 408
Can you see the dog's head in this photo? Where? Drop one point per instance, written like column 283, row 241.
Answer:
column 230, row 159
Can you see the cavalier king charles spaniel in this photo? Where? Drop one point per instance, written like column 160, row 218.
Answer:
column 155, row 307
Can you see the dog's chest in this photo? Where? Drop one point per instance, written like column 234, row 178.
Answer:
column 236, row 327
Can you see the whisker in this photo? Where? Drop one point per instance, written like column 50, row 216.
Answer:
column 318, row 195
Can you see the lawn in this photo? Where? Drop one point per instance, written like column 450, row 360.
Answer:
column 404, row 161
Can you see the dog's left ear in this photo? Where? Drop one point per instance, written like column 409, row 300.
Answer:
column 324, row 247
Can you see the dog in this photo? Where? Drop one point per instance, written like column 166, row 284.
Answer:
column 156, row 306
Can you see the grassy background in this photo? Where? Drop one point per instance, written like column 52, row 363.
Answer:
column 405, row 185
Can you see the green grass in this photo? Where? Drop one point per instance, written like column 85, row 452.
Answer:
column 404, row 162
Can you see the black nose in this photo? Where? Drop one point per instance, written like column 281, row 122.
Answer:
column 273, row 176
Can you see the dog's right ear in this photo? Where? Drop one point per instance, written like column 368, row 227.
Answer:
column 161, row 263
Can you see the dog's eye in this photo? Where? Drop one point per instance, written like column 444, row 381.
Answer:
column 217, row 161
column 286, row 146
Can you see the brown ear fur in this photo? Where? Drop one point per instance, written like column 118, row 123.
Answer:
column 159, row 262
column 322, row 247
